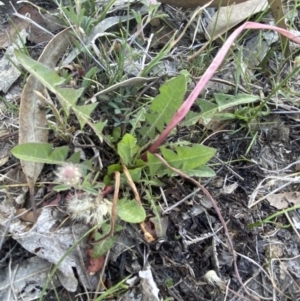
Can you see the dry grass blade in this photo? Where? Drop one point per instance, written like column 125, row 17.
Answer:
column 132, row 185
column 278, row 15
column 149, row 238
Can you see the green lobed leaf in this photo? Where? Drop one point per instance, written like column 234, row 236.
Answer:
column 208, row 110
column 189, row 159
column 160, row 222
column 117, row 132
column 136, row 121
column 105, row 245
column 88, row 165
column 68, row 97
column 29, row 151
column 135, row 174
column 226, row 101
column 164, row 106
column 75, row 158
column 202, row 171
column 59, row 154
column 130, row 211
column 127, row 148
column 154, row 164
column 40, row 153
column 85, row 113
column 225, row 116
column 107, row 180
column 90, row 74
column 191, row 118
column 113, row 167
column 148, row 130
column 61, row 187
column 98, row 128
column 38, row 69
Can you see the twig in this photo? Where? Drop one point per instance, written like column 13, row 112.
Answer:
column 145, row 54
column 148, row 236
column 206, row 192
column 230, row 169
column 163, row 196
column 100, row 283
column 287, row 178
column 292, row 224
column 181, row 201
column 31, row 21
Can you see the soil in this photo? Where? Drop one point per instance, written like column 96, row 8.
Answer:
column 195, row 243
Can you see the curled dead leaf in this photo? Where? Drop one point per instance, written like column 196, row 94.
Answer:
column 283, row 200
column 227, row 17
column 37, row 34
column 147, row 232
column 95, row 264
column 32, row 116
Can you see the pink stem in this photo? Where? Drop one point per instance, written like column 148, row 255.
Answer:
column 185, row 107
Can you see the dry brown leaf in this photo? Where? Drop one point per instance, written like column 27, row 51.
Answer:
column 147, row 234
column 51, row 245
column 14, row 191
column 9, row 73
column 9, row 36
column 283, row 200
column 95, row 264
column 228, row 17
column 162, row 33
column 32, row 118
column 37, row 35
column 53, row 22
column 4, row 146
column 160, row 226
column 30, row 275
column 26, row 216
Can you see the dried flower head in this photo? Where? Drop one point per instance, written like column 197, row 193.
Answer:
column 88, row 208
column 69, row 174
column 214, row 280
